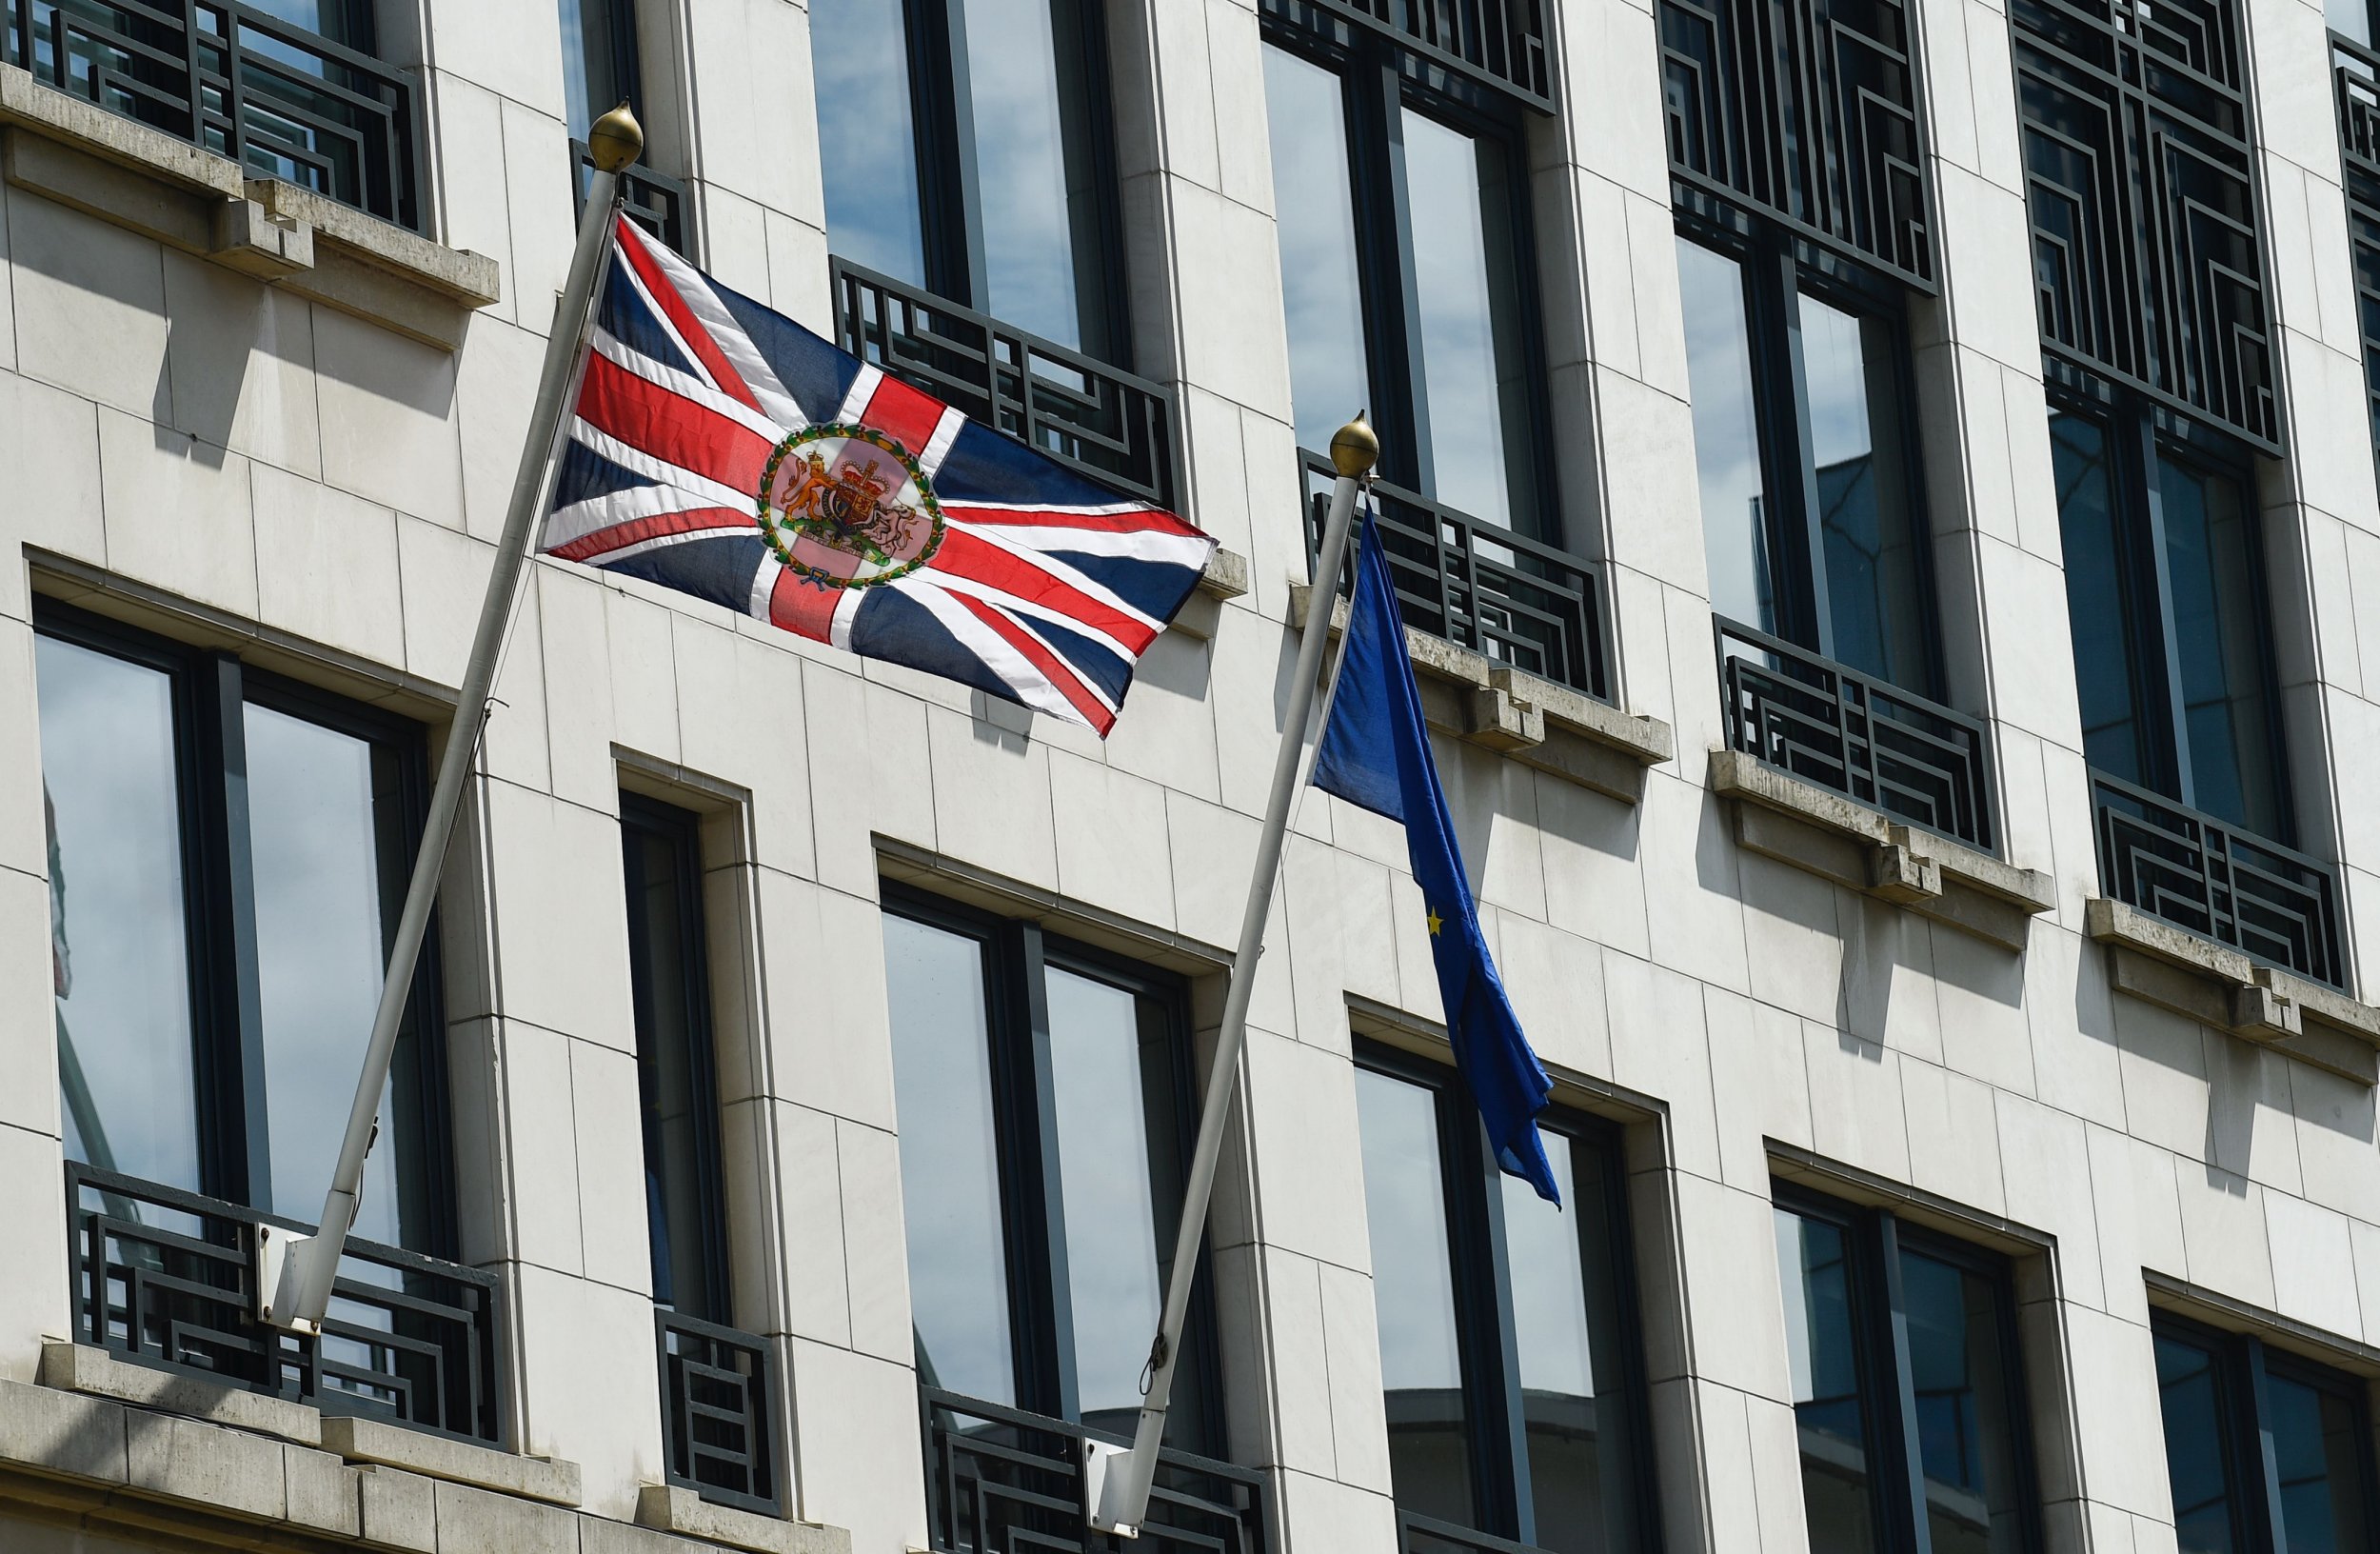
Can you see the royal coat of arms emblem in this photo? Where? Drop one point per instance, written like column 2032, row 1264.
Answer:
column 847, row 507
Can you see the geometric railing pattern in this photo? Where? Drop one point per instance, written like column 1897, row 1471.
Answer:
column 1418, row 1534
column 277, row 99
column 2355, row 78
column 166, row 1279
column 1113, row 426
column 1482, row 587
column 2213, row 880
column 718, row 1397
column 1001, row 1482
column 1917, row 761
column 2140, row 181
column 1500, row 42
column 653, row 201
column 1810, row 111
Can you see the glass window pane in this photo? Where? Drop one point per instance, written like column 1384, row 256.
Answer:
column 2352, row 17
column 1467, row 293
column 1814, row 1264
column 1330, row 373
column 860, row 58
column 597, row 58
column 2100, row 600
column 322, row 821
column 1966, row 1436
column 2197, row 1453
column 1095, row 1040
column 949, row 1160
column 662, row 872
column 1566, row 1327
column 2318, row 1450
column 1727, row 436
column 1413, row 1288
column 119, row 946
column 1044, row 249
column 2210, row 548
column 1850, row 372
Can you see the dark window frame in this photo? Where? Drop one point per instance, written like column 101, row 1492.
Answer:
column 949, row 191
column 681, row 830
column 1874, row 1236
column 1486, row 1338
column 2243, row 1361
column 1016, row 951
column 1780, row 265
column 1379, row 77
column 2139, row 430
column 208, row 690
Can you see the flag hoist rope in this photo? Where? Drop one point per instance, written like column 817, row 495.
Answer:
column 294, row 1273
column 1116, row 1482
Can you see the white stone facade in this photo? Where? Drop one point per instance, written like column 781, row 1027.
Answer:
column 231, row 464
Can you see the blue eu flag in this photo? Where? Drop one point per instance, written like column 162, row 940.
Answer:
column 1376, row 752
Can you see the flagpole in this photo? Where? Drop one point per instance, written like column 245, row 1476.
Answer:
column 1116, row 1482
column 294, row 1273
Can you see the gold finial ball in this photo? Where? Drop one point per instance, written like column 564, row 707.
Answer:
column 1355, row 447
column 615, row 140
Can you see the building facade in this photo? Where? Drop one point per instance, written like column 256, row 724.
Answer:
column 1882, row 494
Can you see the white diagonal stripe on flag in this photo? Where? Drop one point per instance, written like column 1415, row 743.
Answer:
column 726, row 332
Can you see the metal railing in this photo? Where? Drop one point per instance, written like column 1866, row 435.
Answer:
column 164, row 1278
column 1915, row 759
column 1115, row 427
column 998, row 1480
column 653, row 201
column 1503, row 43
column 277, row 99
column 1418, row 1534
column 2216, row 881
column 718, row 1398
column 2355, row 78
column 1482, row 587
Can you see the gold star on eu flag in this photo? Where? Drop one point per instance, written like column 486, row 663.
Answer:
column 1434, row 922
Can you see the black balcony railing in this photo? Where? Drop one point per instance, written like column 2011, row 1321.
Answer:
column 2355, row 78
column 718, row 1396
column 2213, row 879
column 166, row 1278
column 1915, row 759
column 1115, row 427
column 1418, row 1534
column 998, row 1481
column 654, row 202
column 1480, row 586
column 1503, row 43
column 277, row 99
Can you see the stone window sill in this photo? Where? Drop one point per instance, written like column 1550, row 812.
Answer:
column 79, row 154
column 1781, row 817
column 1225, row 578
column 668, row 1509
column 94, row 1373
column 1563, row 732
column 2220, row 986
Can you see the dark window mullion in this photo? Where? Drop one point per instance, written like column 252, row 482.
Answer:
column 2138, row 433
column 1490, row 1332
column 945, row 151
column 1797, row 566
column 2261, row 1503
column 232, row 1125
column 1903, row 1467
column 1039, row 1275
column 1392, row 308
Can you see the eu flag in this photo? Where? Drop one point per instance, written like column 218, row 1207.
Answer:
column 1376, row 752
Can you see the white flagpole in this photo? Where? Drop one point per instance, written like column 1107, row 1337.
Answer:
column 1116, row 1482
column 294, row 1273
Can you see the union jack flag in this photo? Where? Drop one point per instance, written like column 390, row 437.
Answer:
column 725, row 451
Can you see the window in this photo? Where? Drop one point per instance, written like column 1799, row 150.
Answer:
column 2268, row 1453
column 1507, row 1327
column 1908, row 1393
column 1042, row 1091
column 675, row 1070
column 228, row 853
column 1406, row 267
column 1813, row 517
column 968, row 151
column 2165, row 598
column 601, row 67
